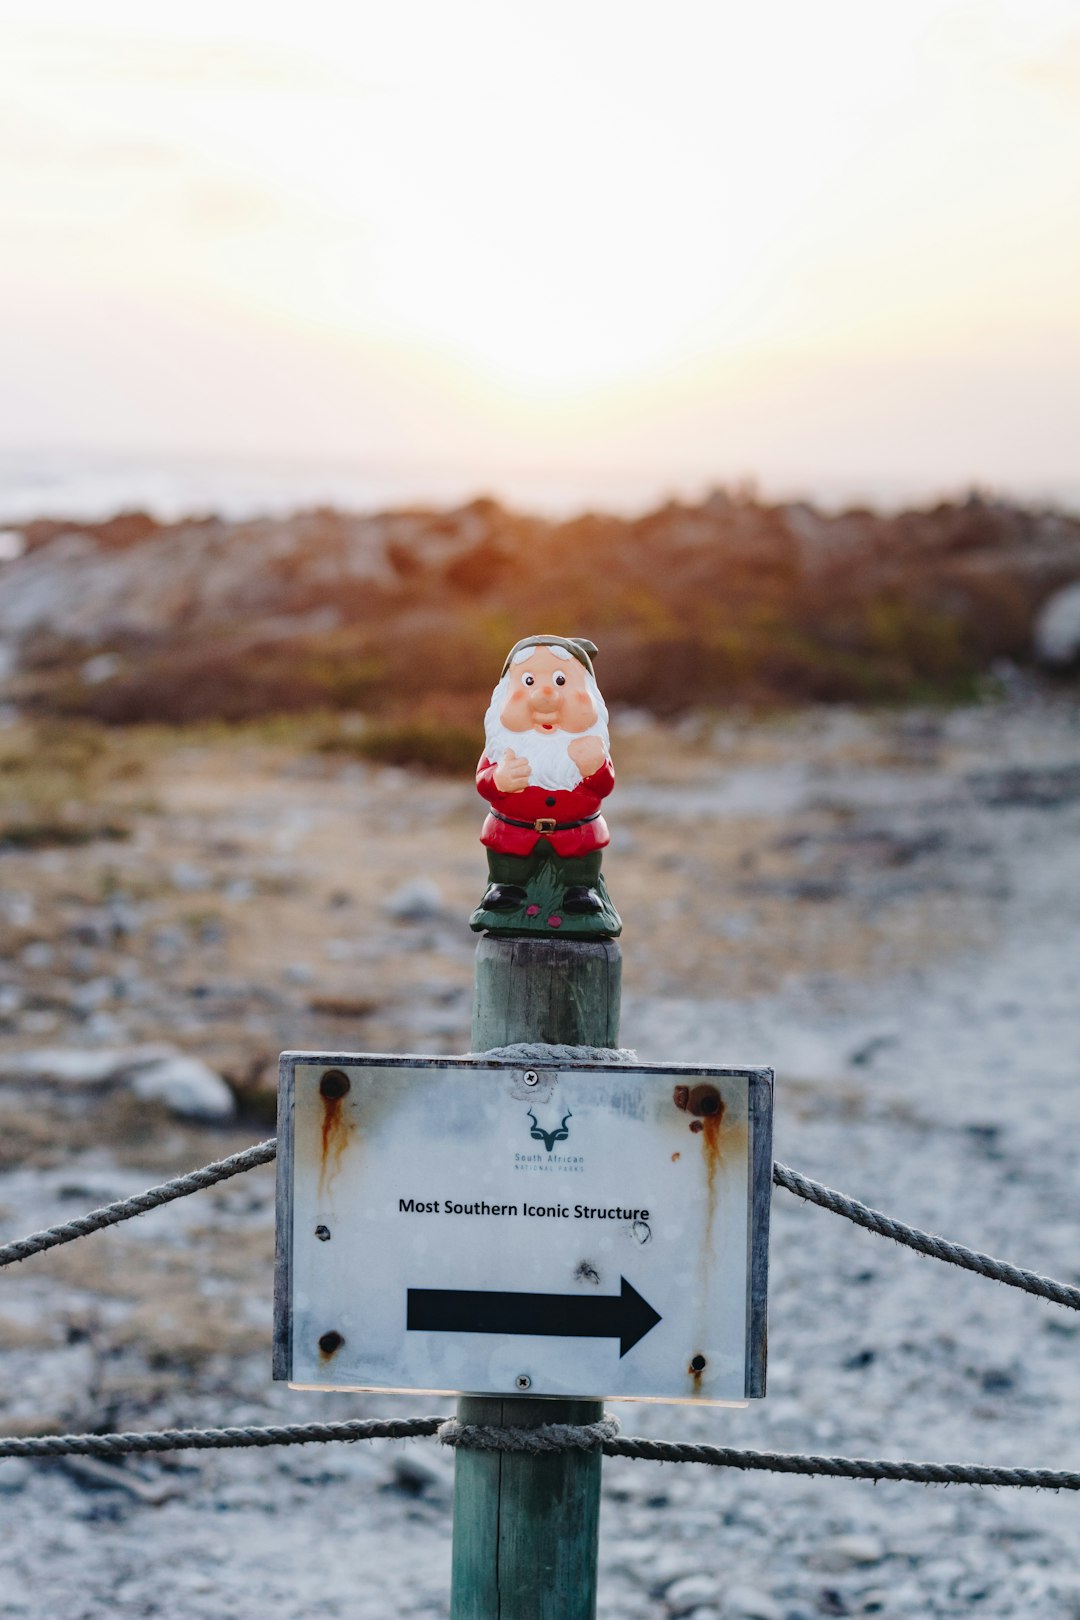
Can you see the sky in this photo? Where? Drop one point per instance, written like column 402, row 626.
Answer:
column 690, row 242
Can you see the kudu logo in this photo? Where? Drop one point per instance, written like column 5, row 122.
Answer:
column 549, row 1138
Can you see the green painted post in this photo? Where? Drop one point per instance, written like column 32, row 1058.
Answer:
column 526, row 1528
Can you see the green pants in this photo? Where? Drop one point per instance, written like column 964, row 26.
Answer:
column 573, row 870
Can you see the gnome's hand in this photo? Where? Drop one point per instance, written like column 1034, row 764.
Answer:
column 511, row 773
column 588, row 754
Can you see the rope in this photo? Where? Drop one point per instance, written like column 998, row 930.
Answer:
column 814, row 1192
column 288, row 1434
column 551, row 1438
column 545, row 1438
column 125, row 1208
column 783, row 1462
column 793, row 1181
column 954, row 1254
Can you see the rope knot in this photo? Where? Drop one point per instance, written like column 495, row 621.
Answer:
column 545, row 1438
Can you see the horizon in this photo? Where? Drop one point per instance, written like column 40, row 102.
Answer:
column 85, row 486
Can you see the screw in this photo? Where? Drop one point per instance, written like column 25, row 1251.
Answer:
column 323, row 1234
column 531, row 1078
column 330, row 1342
column 334, row 1084
column 523, row 1381
column 697, row 1364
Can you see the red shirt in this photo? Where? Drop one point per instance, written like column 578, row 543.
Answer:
column 558, row 804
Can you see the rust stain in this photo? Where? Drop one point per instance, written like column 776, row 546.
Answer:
column 718, row 1140
column 335, row 1137
column 336, row 1128
column 722, row 1141
column 711, row 1127
column 675, row 1157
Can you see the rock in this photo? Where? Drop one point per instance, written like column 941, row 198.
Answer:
column 691, row 1592
column 94, row 1474
column 76, row 1067
column 848, row 1552
column 1057, row 629
column 416, row 1475
column 1035, row 787
column 11, row 999
column 189, row 1088
column 15, row 1472
column 189, row 877
column 100, row 668
column 92, row 928
column 418, row 900
column 746, row 1603
column 85, row 998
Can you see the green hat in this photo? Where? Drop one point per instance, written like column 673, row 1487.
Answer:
column 584, row 651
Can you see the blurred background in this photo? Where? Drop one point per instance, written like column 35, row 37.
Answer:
column 343, row 346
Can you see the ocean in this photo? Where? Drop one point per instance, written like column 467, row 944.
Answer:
column 90, row 486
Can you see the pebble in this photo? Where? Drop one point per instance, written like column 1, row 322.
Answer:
column 102, row 667
column 418, row 900
column 15, row 1472
column 413, row 1473
column 689, row 1593
column 848, row 1552
column 11, row 999
column 86, row 997
column 189, row 877
column 746, row 1603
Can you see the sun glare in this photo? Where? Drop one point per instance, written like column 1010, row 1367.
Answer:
column 568, row 212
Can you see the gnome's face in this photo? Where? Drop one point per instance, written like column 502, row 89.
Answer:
column 547, row 694
column 547, row 709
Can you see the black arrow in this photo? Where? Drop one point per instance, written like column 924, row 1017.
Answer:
column 626, row 1316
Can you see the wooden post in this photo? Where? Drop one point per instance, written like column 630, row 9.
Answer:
column 553, row 990
column 526, row 1528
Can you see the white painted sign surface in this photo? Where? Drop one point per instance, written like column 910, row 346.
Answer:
column 474, row 1226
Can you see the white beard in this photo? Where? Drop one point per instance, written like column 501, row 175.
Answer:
column 550, row 764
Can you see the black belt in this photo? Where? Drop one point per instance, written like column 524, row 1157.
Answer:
column 545, row 824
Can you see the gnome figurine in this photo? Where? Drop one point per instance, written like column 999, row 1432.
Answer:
column 544, row 772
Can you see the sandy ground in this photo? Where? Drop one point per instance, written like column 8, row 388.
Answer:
column 886, row 909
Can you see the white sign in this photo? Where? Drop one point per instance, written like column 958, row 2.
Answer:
column 475, row 1226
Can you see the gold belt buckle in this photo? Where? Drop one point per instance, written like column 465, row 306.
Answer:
column 545, row 824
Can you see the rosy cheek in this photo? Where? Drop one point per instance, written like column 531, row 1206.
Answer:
column 515, row 715
column 580, row 712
